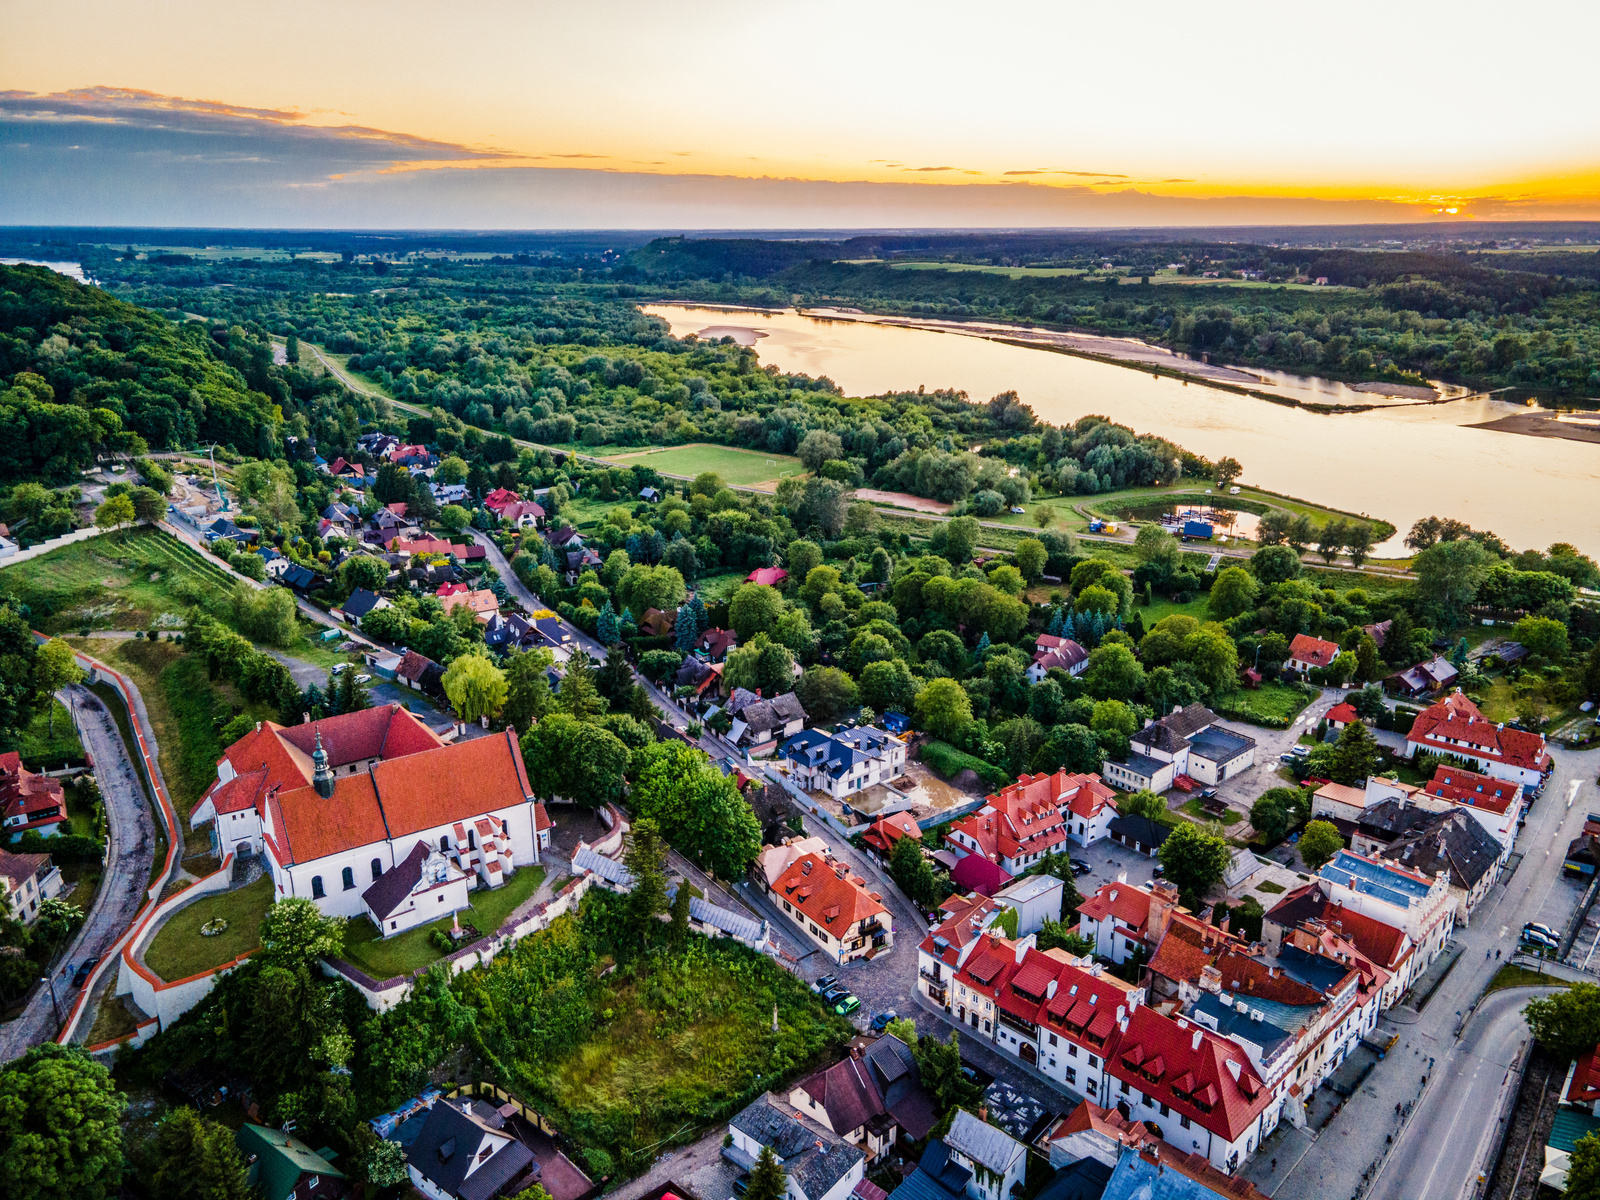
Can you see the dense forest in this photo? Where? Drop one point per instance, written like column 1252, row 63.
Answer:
column 505, row 348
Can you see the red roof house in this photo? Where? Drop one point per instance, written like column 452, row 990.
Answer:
column 28, row 800
column 1306, row 652
column 1455, row 726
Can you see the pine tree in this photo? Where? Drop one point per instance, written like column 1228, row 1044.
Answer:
column 1069, row 627
column 767, row 1178
column 982, row 648
column 1054, row 628
column 606, row 627
column 678, row 931
column 549, row 559
column 644, row 859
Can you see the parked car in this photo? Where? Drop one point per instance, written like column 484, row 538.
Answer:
column 1079, row 867
column 835, row 994
column 846, row 1005
column 881, row 1021
column 82, row 973
column 824, row 983
column 1537, row 927
column 363, row 678
column 338, row 668
column 1017, row 510
column 1533, row 937
column 741, row 1185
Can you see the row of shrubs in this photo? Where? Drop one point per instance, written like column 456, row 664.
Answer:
column 949, row 762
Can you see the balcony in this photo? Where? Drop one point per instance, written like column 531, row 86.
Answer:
column 871, row 928
column 1018, row 1023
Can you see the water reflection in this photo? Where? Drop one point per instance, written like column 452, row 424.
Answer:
column 1398, row 463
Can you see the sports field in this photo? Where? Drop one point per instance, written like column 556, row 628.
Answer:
column 743, row 468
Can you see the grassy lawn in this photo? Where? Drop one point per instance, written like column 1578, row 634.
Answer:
column 186, row 709
column 1159, row 609
column 1514, row 975
column 740, row 467
column 1272, row 701
column 179, row 950
column 1198, row 812
column 411, row 950
column 130, row 580
column 720, row 587
column 42, row 750
column 1269, row 887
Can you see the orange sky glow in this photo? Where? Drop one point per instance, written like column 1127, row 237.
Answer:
column 1357, row 112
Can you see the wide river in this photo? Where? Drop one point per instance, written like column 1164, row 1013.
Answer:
column 1399, row 463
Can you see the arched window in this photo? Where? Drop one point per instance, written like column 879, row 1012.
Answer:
column 377, row 870
column 348, row 878
column 472, row 840
column 316, row 887
column 444, row 841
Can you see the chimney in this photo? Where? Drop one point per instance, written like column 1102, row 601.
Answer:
column 1021, row 950
column 1194, row 1043
column 305, row 718
column 983, row 1115
column 1095, row 970
column 1210, row 979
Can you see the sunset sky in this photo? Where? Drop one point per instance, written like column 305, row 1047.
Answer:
column 770, row 114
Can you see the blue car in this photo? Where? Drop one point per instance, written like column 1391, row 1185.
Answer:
column 82, row 973
column 881, row 1021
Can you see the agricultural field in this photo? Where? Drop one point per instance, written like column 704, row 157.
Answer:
column 742, row 468
column 137, row 579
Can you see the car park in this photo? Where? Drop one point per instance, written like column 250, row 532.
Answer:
column 846, row 1005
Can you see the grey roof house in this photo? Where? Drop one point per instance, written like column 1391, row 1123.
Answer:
column 818, row 1164
column 464, row 1152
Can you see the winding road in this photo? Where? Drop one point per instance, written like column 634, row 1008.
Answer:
column 125, row 882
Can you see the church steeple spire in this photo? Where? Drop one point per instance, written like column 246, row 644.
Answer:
column 322, row 774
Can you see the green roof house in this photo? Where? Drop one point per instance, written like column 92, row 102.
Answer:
column 285, row 1168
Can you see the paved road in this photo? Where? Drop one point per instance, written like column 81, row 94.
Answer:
column 1329, row 1164
column 1449, row 1134
column 126, row 875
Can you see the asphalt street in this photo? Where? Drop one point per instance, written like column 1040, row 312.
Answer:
column 1332, row 1162
column 126, row 876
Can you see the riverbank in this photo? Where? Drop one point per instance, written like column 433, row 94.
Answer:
column 1545, row 425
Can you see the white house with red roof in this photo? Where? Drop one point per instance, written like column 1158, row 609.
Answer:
column 1306, row 652
column 1038, row 814
column 947, row 947
column 1198, row 1088
column 1455, row 726
column 1056, row 652
column 1496, row 804
column 331, row 806
column 513, row 509
column 29, row 801
column 834, row 907
column 1342, row 714
column 1121, row 919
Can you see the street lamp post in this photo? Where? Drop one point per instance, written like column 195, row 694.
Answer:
column 50, row 983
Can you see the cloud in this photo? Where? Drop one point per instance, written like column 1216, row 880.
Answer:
column 116, row 156
column 577, row 156
column 1180, row 181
